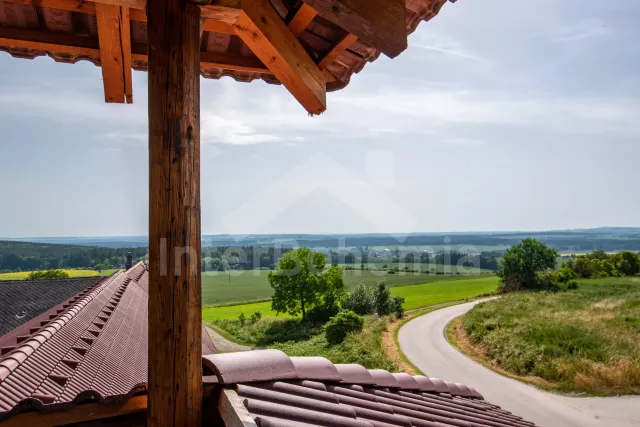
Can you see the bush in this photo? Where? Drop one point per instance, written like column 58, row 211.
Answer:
column 242, row 318
column 384, row 303
column 398, row 306
column 360, row 300
column 48, row 274
column 340, row 325
column 255, row 317
column 572, row 285
column 321, row 313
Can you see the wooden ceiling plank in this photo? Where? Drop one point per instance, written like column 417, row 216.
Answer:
column 125, row 41
column 380, row 23
column 266, row 34
column 69, row 5
column 214, row 26
column 111, row 52
column 48, row 42
column 302, row 19
column 337, row 50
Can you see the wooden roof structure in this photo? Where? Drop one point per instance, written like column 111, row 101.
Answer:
column 113, row 34
column 309, row 46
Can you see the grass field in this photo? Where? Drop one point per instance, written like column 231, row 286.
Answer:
column 584, row 340
column 24, row 274
column 251, row 285
column 416, row 296
column 109, row 271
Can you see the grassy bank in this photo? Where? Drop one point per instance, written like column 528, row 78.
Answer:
column 250, row 285
column 585, row 340
column 416, row 296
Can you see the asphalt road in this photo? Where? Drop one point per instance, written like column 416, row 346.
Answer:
column 422, row 340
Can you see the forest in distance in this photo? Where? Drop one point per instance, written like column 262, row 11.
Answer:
column 222, row 252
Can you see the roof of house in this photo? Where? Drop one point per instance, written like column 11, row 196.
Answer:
column 267, row 388
column 92, row 347
column 67, row 31
column 23, row 300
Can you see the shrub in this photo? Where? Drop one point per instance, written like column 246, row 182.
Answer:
column 572, row 285
column 48, row 274
column 255, row 317
column 321, row 313
column 360, row 300
column 383, row 301
column 398, row 306
column 340, row 325
column 242, row 318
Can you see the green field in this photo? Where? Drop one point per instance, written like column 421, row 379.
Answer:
column 252, row 285
column 109, row 271
column 583, row 340
column 416, row 296
column 24, row 274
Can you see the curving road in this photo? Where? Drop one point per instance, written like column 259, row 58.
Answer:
column 422, row 340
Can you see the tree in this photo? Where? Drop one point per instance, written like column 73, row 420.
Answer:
column 383, row 301
column 523, row 262
column 298, row 280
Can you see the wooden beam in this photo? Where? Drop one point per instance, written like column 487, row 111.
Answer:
column 111, row 52
column 337, row 50
column 264, row 32
column 381, row 23
column 125, row 41
column 78, row 414
column 48, row 42
column 218, row 27
column 175, row 304
column 302, row 19
column 225, row 11
column 233, row 62
column 232, row 410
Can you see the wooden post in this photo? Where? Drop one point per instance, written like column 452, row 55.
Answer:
column 175, row 317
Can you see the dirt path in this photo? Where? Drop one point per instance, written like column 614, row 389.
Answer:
column 224, row 345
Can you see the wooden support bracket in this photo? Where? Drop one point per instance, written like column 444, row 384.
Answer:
column 266, row 34
column 114, row 35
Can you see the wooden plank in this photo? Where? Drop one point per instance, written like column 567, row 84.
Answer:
column 233, row 62
column 264, row 32
column 125, row 40
column 232, row 411
column 111, row 55
column 381, row 23
column 78, row 414
column 218, row 27
column 225, row 11
column 175, row 312
column 48, row 42
column 337, row 50
column 302, row 19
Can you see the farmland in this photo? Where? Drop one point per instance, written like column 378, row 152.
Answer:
column 416, row 296
column 251, row 285
column 22, row 275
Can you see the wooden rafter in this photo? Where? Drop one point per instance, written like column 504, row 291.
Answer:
column 264, row 32
column 113, row 50
column 48, row 42
column 380, row 23
column 78, row 414
column 302, row 19
column 337, row 50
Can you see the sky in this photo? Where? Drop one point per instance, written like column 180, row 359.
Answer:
column 500, row 115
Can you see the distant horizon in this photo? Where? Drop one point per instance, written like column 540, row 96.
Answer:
column 142, row 236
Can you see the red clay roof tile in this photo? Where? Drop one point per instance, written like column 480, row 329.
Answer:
column 250, row 366
column 315, row 368
column 353, row 399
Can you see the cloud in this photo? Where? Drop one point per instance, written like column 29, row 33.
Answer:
column 459, row 54
column 586, row 29
column 217, row 129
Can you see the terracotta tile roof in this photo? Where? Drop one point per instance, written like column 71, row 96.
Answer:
column 74, row 31
column 91, row 347
column 275, row 390
column 24, row 300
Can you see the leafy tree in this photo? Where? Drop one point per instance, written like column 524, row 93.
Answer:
column 340, row 325
column 331, row 288
column 627, row 263
column 242, row 318
column 48, row 274
column 523, row 262
column 298, row 280
column 398, row 306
